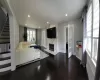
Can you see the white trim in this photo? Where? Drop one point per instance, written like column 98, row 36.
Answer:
column 5, row 62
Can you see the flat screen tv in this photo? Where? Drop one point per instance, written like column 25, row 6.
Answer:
column 51, row 32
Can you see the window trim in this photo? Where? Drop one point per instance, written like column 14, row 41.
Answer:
column 92, row 31
column 91, row 3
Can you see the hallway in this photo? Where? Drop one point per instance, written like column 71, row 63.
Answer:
column 50, row 68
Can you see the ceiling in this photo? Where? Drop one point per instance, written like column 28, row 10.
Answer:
column 42, row 11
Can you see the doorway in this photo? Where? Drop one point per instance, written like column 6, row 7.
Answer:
column 70, row 40
column 67, row 40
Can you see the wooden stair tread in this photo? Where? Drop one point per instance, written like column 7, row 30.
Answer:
column 6, row 31
column 5, row 34
column 5, row 65
column 4, row 42
column 5, row 38
column 2, row 59
column 4, row 73
column 5, row 52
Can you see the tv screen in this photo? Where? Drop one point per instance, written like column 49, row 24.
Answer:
column 48, row 33
column 54, row 32
column 51, row 32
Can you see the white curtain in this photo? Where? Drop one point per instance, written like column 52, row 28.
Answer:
column 31, row 35
column 43, row 40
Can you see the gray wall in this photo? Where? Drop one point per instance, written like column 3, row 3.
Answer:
column 78, row 32
column 21, row 33
column 38, row 36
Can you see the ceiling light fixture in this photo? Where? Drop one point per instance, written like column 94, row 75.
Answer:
column 47, row 22
column 66, row 14
column 29, row 16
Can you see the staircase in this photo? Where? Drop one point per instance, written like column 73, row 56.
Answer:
column 5, row 54
column 5, row 34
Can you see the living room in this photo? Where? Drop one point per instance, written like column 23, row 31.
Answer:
column 49, row 40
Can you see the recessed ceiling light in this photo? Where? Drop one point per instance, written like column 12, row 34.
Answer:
column 66, row 14
column 47, row 22
column 39, row 26
column 29, row 16
column 25, row 24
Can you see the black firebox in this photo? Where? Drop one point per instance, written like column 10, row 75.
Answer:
column 51, row 47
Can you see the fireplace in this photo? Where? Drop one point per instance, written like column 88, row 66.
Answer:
column 51, row 47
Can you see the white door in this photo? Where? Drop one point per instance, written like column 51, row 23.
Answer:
column 70, row 40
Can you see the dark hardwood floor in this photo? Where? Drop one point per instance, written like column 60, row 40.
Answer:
column 58, row 67
column 75, row 70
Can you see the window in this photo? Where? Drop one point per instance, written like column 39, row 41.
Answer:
column 92, row 30
column 89, row 29
column 95, row 29
column 31, row 35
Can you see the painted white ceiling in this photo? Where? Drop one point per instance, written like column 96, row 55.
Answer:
column 42, row 11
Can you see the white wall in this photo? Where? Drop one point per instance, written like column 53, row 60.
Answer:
column 61, row 31
column 78, row 34
column 16, row 31
column 14, row 40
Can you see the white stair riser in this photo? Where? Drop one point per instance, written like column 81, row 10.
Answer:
column 5, row 62
column 5, row 69
column 5, row 55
